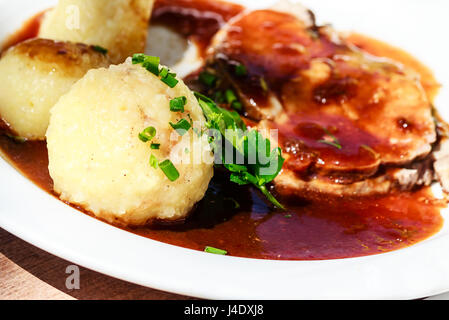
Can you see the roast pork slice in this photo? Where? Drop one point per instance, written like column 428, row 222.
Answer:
column 348, row 122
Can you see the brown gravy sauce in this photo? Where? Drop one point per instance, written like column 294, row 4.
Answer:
column 382, row 49
column 29, row 29
column 327, row 229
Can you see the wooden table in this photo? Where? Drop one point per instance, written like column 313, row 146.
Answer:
column 27, row 272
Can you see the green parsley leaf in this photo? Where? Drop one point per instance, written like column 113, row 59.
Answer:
column 262, row 169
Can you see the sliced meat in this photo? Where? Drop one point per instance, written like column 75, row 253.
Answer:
column 349, row 122
column 441, row 154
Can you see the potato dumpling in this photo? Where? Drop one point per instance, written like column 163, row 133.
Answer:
column 98, row 161
column 120, row 26
column 34, row 74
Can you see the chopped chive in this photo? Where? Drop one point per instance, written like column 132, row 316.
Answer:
column 207, row 78
column 182, row 126
column 155, row 146
column 147, row 134
column 148, row 62
column 177, row 104
column 168, row 77
column 164, row 72
column 230, row 96
column 169, row 169
column 215, row 250
column 152, row 64
column 138, row 58
column 154, row 162
column 170, row 80
column 240, row 70
column 186, row 150
column 100, row 49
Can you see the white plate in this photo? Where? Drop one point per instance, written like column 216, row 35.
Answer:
column 418, row 271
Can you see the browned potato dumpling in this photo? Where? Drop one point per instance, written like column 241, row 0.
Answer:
column 34, row 74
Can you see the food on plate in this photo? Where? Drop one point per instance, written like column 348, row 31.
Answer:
column 120, row 26
column 349, row 123
column 113, row 148
column 34, row 74
column 277, row 139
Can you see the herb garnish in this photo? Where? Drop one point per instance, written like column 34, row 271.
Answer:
column 147, row 134
column 177, row 104
column 243, row 142
column 100, row 49
column 148, row 62
column 215, row 251
column 232, row 100
column 169, row 78
column 154, row 162
column 152, row 64
column 169, row 169
column 332, row 140
column 181, row 127
column 244, row 146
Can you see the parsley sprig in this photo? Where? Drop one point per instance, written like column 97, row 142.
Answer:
column 257, row 169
